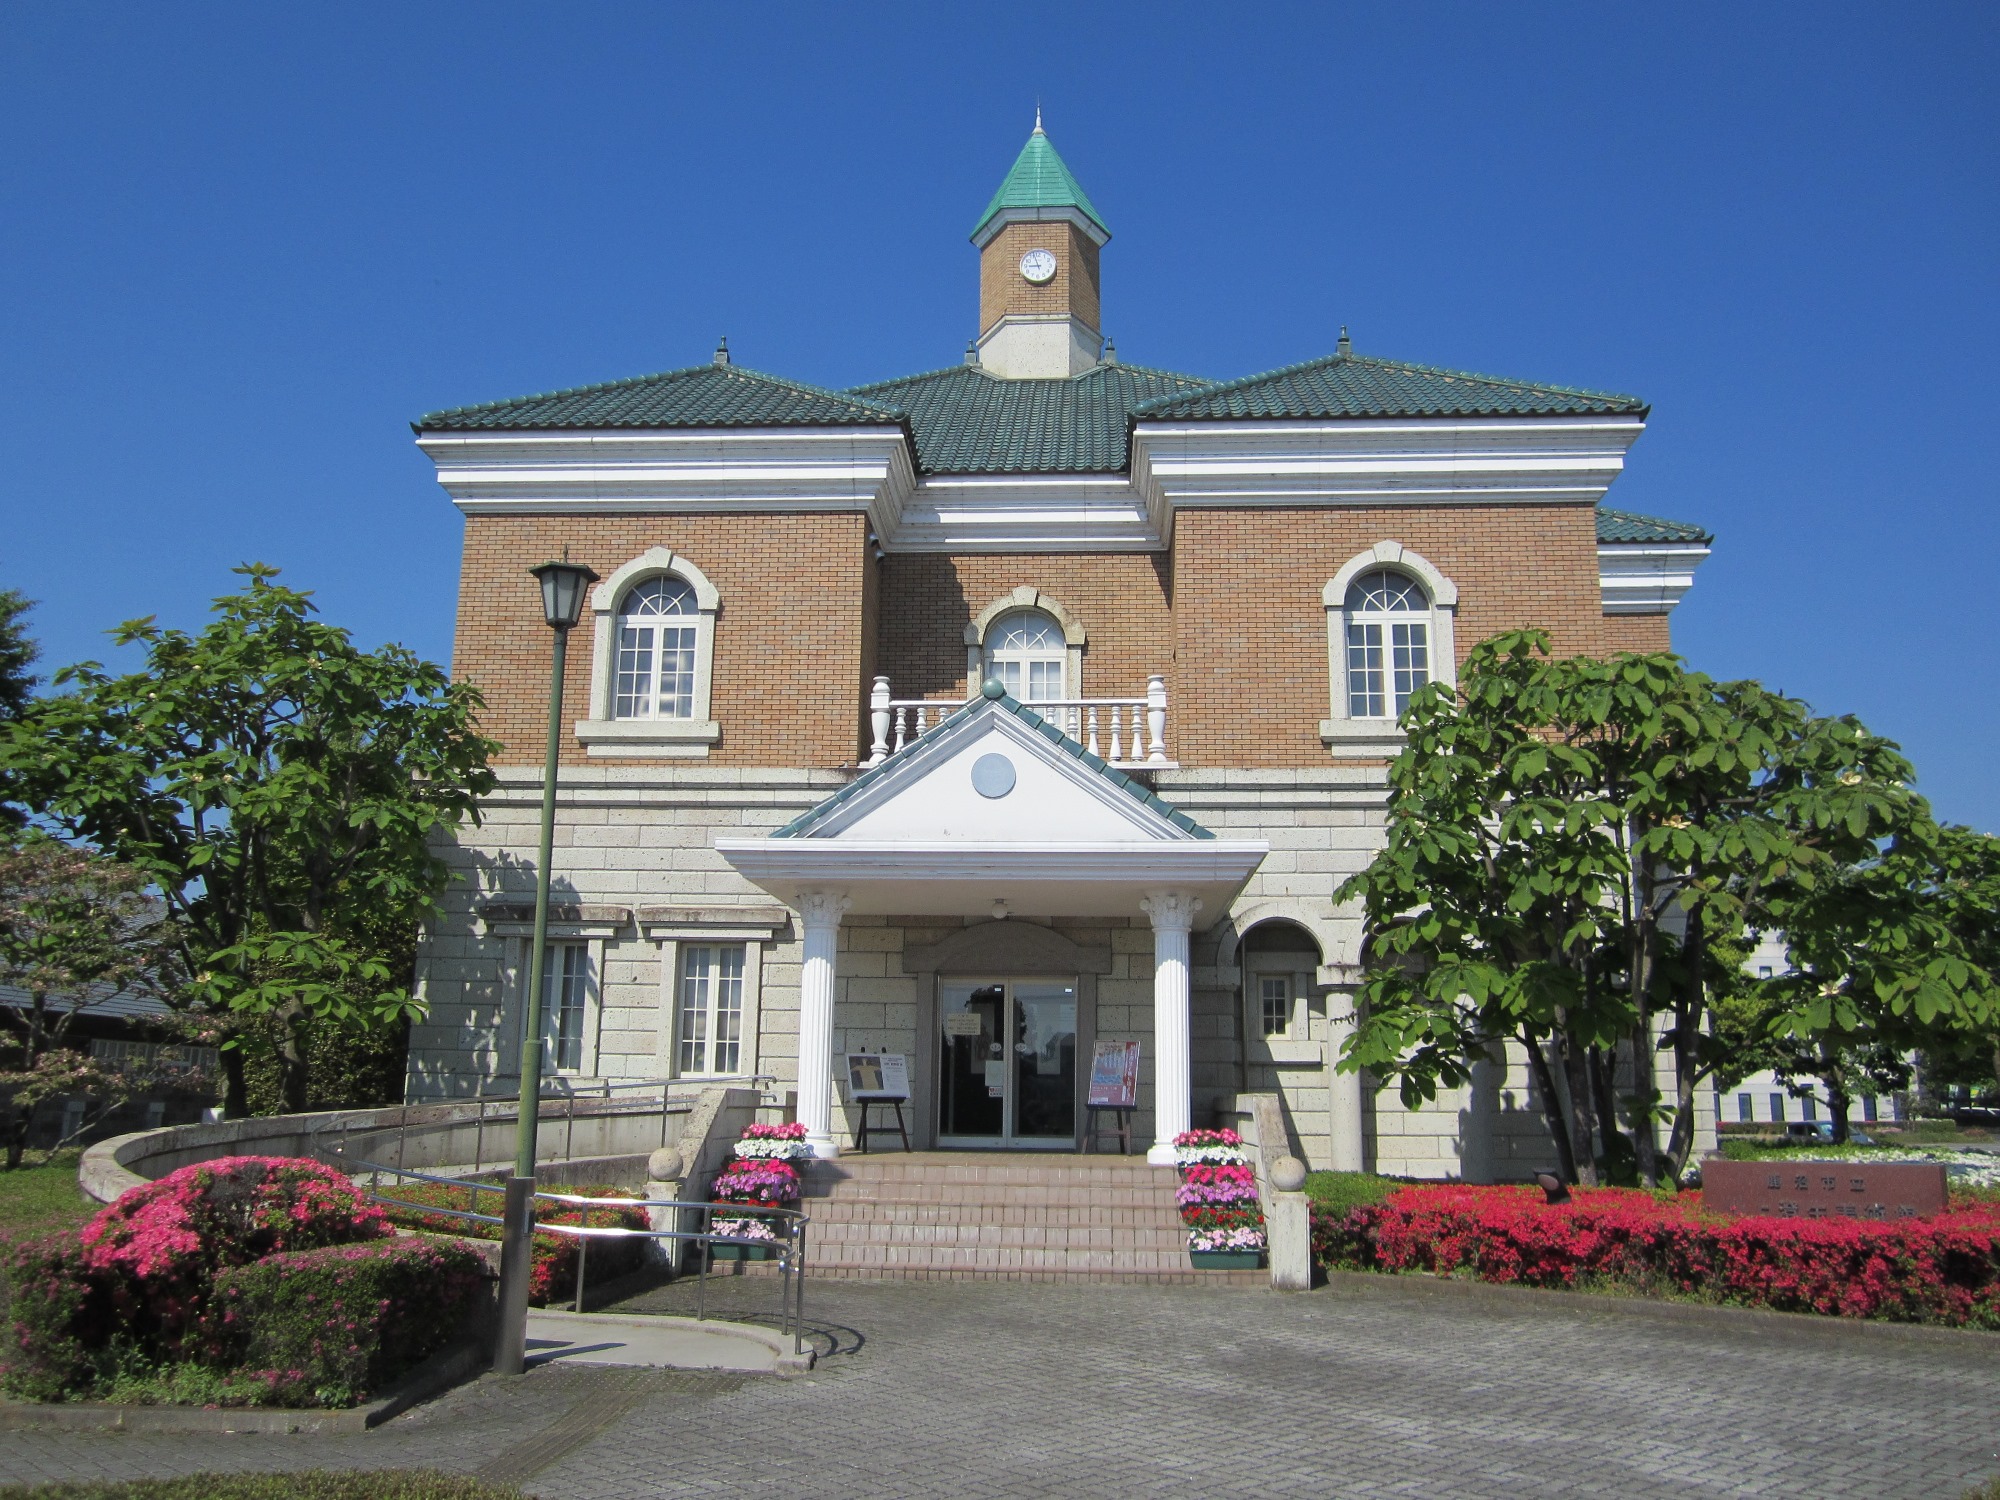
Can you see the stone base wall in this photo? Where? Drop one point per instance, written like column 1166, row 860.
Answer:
column 632, row 838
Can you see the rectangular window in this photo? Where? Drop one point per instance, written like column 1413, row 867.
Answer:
column 711, row 1008
column 1412, row 660
column 1274, row 996
column 643, row 693
column 676, row 697
column 1777, row 1109
column 635, row 673
column 1868, row 1108
column 1763, row 971
column 565, row 994
column 1808, row 1110
column 1746, row 1109
column 1044, row 682
column 1366, row 698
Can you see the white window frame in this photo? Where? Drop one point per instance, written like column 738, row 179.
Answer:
column 673, row 928
column 1345, row 735
column 1034, row 600
column 604, row 734
column 586, row 1042
column 709, row 1041
column 594, row 927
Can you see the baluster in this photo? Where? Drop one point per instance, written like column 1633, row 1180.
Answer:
column 878, row 722
column 1156, row 717
column 923, row 720
column 902, row 729
column 1117, row 721
column 1091, row 745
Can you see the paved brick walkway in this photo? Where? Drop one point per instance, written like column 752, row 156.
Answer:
column 1384, row 1388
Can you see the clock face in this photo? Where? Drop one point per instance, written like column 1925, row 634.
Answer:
column 1039, row 266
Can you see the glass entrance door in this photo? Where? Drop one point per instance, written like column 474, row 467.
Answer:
column 1007, row 1063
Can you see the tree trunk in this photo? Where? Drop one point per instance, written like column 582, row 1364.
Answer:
column 1645, row 1098
column 1687, row 1030
column 1545, row 1085
column 17, row 1137
column 1837, row 1101
column 1604, row 1100
column 290, row 1045
column 1582, row 1141
column 235, row 1092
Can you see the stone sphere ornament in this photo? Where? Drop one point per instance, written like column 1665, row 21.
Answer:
column 664, row 1165
column 1288, row 1174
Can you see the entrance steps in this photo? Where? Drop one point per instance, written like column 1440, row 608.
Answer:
column 992, row 1216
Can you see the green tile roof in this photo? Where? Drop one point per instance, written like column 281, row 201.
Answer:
column 1040, row 179
column 708, row 395
column 1627, row 526
column 966, row 421
column 1346, row 384
column 805, row 822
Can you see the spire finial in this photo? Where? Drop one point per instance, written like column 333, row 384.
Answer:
column 1038, row 117
column 1344, row 346
column 972, row 351
column 722, row 351
column 1110, row 353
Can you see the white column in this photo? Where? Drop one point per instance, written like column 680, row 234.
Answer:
column 820, row 911
column 1173, row 918
column 1343, row 1090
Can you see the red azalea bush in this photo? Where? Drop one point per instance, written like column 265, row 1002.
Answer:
column 1944, row 1269
column 325, row 1327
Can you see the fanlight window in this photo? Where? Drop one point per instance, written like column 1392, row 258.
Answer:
column 658, row 625
column 1388, row 644
column 1026, row 652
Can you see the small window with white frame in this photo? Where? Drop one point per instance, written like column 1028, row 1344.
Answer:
column 1026, row 653
column 1274, row 1004
column 711, row 1009
column 565, row 1006
column 1388, row 644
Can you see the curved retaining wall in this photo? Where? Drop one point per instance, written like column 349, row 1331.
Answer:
column 437, row 1135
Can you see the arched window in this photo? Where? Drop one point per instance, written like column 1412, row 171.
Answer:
column 1026, row 651
column 1388, row 643
column 1389, row 619
column 659, row 628
column 652, row 668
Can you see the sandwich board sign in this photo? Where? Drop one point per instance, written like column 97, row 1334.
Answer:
column 878, row 1075
column 1114, row 1076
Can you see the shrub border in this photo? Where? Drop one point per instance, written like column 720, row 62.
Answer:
column 466, row 1358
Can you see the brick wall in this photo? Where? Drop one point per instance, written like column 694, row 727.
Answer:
column 1074, row 289
column 1250, row 685
column 789, row 637
column 929, row 598
column 1637, row 633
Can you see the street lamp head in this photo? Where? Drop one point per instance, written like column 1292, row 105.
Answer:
column 563, row 585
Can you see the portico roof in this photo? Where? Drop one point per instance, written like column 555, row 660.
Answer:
column 996, row 805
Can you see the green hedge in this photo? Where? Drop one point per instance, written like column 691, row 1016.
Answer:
column 315, row 1484
column 1337, row 1192
column 326, row 1327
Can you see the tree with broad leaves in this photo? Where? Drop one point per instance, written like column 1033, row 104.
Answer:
column 75, row 927
column 279, row 788
column 1567, row 839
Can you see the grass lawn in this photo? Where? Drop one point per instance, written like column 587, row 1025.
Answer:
column 317, row 1484
column 41, row 1197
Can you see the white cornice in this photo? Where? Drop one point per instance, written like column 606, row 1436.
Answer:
column 758, row 469
column 1439, row 461
column 1646, row 578
column 1003, row 217
column 1023, row 513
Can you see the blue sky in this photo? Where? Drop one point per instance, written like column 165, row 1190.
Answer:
column 243, row 247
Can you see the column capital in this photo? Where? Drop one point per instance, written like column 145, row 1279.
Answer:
column 1170, row 911
column 823, row 908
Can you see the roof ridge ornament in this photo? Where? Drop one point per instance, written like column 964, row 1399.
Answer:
column 1345, row 347
column 722, row 350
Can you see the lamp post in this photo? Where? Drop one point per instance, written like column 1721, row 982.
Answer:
column 563, row 585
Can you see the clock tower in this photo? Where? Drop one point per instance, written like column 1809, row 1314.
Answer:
column 1039, row 316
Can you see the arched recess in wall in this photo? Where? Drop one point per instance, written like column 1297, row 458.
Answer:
column 1035, row 601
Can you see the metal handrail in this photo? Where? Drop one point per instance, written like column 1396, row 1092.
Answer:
column 791, row 1246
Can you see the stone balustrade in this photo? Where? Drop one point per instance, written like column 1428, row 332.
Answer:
column 1126, row 732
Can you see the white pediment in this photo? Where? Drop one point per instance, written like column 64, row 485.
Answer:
column 993, row 778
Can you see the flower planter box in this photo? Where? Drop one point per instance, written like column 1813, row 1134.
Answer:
column 742, row 1252
column 1226, row 1260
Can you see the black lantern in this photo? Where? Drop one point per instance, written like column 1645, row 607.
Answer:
column 563, row 584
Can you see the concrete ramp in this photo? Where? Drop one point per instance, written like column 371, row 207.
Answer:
column 660, row 1342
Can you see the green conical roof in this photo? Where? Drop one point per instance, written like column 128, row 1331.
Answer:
column 1040, row 179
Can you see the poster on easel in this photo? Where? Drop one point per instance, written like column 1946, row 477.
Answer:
column 1114, row 1076
column 878, row 1075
